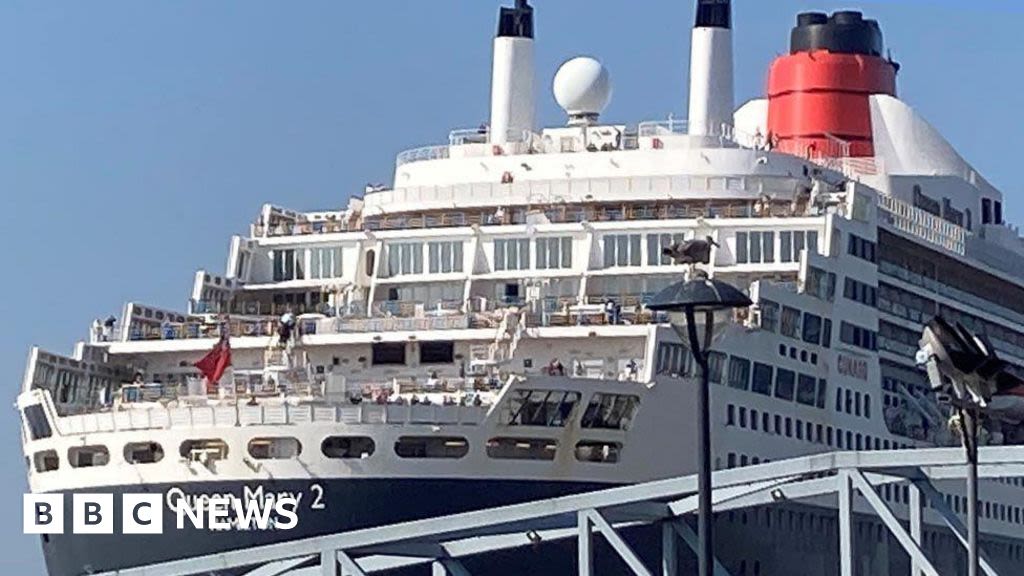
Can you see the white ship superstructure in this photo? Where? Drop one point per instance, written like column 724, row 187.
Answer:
column 476, row 334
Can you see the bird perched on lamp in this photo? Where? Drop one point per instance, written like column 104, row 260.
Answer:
column 691, row 252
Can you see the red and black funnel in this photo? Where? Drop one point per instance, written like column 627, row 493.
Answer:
column 819, row 94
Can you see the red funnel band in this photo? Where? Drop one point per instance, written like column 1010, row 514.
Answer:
column 818, row 99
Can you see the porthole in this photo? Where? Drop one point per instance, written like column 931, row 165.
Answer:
column 348, row 447
column 88, row 456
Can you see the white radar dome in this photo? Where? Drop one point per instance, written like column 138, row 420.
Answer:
column 583, row 87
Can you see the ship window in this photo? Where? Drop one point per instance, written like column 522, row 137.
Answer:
column 739, row 373
column 769, row 315
column 405, row 258
column 282, row 448
column 792, row 243
column 621, row 250
column 822, row 392
column 790, row 322
column 548, row 408
column 610, row 411
column 522, row 448
column 762, row 383
column 755, row 247
column 36, row 422
column 812, row 329
column 88, row 456
column 445, row 257
column 388, row 353
column 143, row 453
column 512, row 254
column 716, row 361
column 673, row 360
column 600, row 452
column 861, row 248
column 204, row 450
column 371, row 260
column 554, row 253
column 806, row 390
column 46, row 461
column 450, row 447
column 325, row 263
column 287, row 265
column 346, row 447
column 437, row 352
column 785, row 381
column 986, row 211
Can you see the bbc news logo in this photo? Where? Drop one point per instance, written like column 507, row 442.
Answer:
column 144, row 513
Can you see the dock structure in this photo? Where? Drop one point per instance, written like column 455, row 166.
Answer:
column 444, row 542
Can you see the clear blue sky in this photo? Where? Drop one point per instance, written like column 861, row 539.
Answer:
column 136, row 137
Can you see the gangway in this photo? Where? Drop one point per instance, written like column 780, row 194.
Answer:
column 445, row 541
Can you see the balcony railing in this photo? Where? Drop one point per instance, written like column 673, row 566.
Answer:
column 161, row 418
column 923, row 225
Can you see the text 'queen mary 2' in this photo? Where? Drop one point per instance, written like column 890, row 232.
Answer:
column 477, row 335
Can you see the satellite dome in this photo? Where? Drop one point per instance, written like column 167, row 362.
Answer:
column 583, row 89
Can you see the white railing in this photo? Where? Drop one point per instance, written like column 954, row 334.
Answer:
column 483, row 136
column 520, row 192
column 392, row 324
column 423, row 154
column 531, row 142
column 654, row 128
column 161, row 418
column 923, row 225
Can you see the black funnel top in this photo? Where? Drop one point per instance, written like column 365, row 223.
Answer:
column 714, row 14
column 843, row 33
column 516, row 22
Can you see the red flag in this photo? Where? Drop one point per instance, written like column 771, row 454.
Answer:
column 215, row 363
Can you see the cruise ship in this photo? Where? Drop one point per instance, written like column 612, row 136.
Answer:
column 477, row 333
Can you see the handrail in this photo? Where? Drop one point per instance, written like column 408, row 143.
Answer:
column 423, row 154
column 924, row 225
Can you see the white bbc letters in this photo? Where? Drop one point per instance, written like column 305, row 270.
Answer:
column 142, row 514
column 92, row 514
column 43, row 513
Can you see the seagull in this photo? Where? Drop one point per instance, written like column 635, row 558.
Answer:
column 691, row 251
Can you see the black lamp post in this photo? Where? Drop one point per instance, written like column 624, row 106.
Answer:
column 683, row 301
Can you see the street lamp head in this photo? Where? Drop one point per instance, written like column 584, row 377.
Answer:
column 702, row 295
column 684, row 301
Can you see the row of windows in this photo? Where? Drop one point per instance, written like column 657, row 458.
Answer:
column 856, row 336
column 394, row 353
column 788, row 385
column 802, row 354
column 514, row 253
column 764, row 379
column 405, row 258
column 307, row 264
column 555, row 408
column 334, row 447
column 860, row 292
column 759, row 247
column 621, row 250
column 861, row 248
column 793, row 323
column 853, row 402
column 789, row 427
